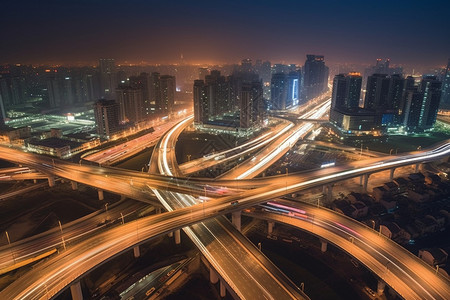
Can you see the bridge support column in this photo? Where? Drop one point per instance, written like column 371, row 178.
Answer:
column 270, row 227
column 170, row 234
column 380, row 287
column 361, row 180
column 213, row 278
column 74, row 185
column 223, row 289
column 136, row 251
column 34, row 181
column 158, row 210
column 366, row 181
column 329, row 192
column 323, row 246
column 391, row 174
column 177, row 236
column 75, row 290
column 123, row 197
column 51, row 181
column 236, row 219
column 100, row 195
column 417, row 167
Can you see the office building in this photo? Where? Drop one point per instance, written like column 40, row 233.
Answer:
column 251, row 110
column 346, row 91
column 167, row 99
column 315, row 76
column 377, row 92
column 201, row 107
column 131, row 104
column 445, row 97
column 284, row 90
column 108, row 78
column 422, row 104
column 278, row 91
column 2, row 112
column 107, row 117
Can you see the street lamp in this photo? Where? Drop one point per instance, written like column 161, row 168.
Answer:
column 106, row 212
column 62, row 236
column 10, row 248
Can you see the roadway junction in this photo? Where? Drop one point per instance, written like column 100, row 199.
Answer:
column 52, row 276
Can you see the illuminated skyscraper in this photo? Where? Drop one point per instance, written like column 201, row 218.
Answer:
column 168, row 87
column 346, row 91
column 278, row 91
column 422, row 104
column 445, row 97
column 131, row 104
column 377, row 92
column 284, row 90
column 107, row 117
column 251, row 108
column 2, row 112
column 201, row 109
column 108, row 78
column 315, row 76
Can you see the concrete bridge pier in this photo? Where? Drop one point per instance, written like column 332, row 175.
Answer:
column 136, row 251
column 75, row 290
column 270, row 226
column 391, row 174
column 380, row 287
column 323, row 246
column 100, row 195
column 329, row 192
column 236, row 219
column 213, row 278
column 51, row 181
column 366, row 181
column 74, row 185
column 34, row 181
column 123, row 197
column 170, row 234
column 177, row 236
column 417, row 167
column 223, row 289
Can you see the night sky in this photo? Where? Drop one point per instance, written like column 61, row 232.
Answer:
column 409, row 32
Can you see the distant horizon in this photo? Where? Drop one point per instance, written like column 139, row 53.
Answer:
column 411, row 33
column 130, row 62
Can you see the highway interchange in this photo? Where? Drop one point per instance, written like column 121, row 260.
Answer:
column 433, row 287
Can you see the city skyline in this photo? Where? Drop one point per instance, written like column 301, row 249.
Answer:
column 205, row 33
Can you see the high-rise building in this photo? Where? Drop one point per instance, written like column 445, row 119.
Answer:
column 108, row 78
column 377, row 92
column 54, row 89
column 201, row 107
column 315, row 76
column 2, row 112
column 346, row 91
column 251, row 104
column 107, row 117
column 131, row 104
column 422, row 104
column 168, row 87
column 284, row 90
column 264, row 71
column 445, row 97
column 278, row 91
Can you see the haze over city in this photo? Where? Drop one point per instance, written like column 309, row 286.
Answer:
column 79, row 32
column 224, row 150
